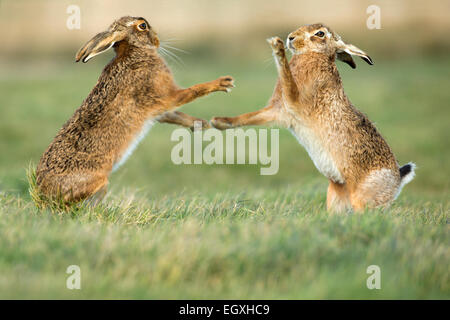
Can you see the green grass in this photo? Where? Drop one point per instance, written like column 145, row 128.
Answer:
column 199, row 231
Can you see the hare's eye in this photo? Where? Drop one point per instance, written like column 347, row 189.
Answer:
column 142, row 26
column 320, row 34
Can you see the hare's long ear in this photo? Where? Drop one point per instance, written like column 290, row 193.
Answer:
column 345, row 57
column 345, row 52
column 98, row 44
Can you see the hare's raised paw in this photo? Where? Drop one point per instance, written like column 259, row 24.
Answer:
column 277, row 44
column 225, row 83
column 221, row 123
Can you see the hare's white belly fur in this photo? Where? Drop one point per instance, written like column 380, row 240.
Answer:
column 319, row 155
column 124, row 157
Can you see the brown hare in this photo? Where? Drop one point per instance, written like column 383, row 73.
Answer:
column 134, row 90
column 344, row 145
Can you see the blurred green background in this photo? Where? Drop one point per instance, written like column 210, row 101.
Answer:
column 406, row 93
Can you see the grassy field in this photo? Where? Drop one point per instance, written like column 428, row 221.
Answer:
column 199, row 231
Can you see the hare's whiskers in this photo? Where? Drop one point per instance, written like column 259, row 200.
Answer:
column 170, row 55
column 170, row 40
column 269, row 62
column 176, row 49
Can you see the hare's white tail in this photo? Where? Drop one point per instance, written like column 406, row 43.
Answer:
column 407, row 173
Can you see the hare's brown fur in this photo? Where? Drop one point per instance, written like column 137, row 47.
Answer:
column 309, row 99
column 135, row 88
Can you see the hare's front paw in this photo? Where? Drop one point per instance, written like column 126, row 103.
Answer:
column 221, row 123
column 200, row 124
column 224, row 84
column 277, row 45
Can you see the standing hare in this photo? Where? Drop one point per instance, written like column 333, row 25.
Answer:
column 344, row 145
column 134, row 90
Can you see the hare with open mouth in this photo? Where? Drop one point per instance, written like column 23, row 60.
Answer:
column 134, row 90
column 309, row 100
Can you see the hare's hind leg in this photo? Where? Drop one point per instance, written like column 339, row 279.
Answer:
column 259, row 117
column 378, row 190
column 97, row 197
column 77, row 187
column 182, row 119
column 338, row 199
column 71, row 188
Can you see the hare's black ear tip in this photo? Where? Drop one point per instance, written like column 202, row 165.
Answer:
column 351, row 63
column 84, row 60
column 368, row 60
